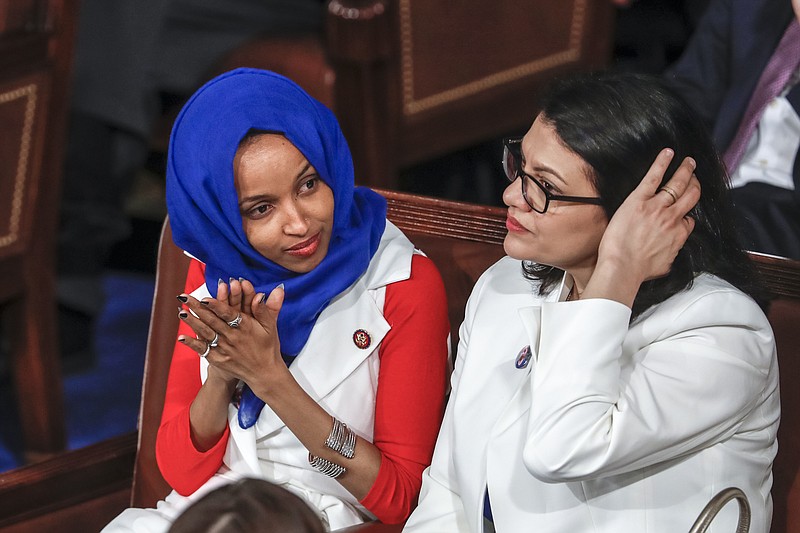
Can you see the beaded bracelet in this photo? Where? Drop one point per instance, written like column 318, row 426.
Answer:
column 326, row 467
column 342, row 439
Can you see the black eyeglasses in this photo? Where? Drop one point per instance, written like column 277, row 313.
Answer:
column 537, row 197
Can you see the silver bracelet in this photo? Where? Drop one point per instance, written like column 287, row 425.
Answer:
column 326, row 467
column 341, row 439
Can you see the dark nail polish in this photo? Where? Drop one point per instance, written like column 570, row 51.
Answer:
column 220, row 281
column 241, row 280
column 182, row 340
column 231, row 280
column 204, row 302
column 263, row 298
column 183, row 298
column 183, row 314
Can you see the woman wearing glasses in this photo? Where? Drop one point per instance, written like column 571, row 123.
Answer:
column 614, row 371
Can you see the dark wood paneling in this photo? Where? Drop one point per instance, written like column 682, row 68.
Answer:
column 419, row 79
column 35, row 58
column 18, row 16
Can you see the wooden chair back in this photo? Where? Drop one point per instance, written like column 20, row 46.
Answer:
column 421, row 79
column 410, row 81
column 35, row 53
column 783, row 279
column 463, row 240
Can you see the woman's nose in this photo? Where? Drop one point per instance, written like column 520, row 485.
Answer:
column 296, row 222
column 512, row 196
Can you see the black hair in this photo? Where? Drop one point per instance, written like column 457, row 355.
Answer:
column 618, row 122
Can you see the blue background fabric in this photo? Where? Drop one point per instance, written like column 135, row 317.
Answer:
column 203, row 204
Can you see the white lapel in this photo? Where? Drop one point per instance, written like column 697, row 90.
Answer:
column 240, row 453
column 331, row 353
column 531, row 318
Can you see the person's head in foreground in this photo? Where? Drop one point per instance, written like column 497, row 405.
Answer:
column 247, row 506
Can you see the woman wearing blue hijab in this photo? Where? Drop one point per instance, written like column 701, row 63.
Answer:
column 312, row 349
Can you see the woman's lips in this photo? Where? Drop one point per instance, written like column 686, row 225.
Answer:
column 513, row 225
column 306, row 248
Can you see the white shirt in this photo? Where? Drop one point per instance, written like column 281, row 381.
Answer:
column 770, row 153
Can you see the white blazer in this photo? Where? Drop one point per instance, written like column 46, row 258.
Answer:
column 610, row 427
column 339, row 375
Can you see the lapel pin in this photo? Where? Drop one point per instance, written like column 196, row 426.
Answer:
column 362, row 339
column 523, row 357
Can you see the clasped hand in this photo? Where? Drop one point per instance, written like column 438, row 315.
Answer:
column 249, row 352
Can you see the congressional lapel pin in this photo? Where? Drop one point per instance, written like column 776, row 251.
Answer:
column 362, row 339
column 523, row 357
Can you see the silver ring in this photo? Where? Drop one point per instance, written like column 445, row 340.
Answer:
column 215, row 341
column 236, row 321
column 208, row 349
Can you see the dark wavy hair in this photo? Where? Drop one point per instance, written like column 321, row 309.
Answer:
column 617, row 123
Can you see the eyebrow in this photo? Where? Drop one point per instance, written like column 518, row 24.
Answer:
column 539, row 168
column 269, row 197
column 551, row 171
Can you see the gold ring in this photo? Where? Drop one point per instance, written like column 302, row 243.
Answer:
column 670, row 192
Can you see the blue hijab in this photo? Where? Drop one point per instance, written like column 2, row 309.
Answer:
column 203, row 203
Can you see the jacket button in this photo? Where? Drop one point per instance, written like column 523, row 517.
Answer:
column 362, row 339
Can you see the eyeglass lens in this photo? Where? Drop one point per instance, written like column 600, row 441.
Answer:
column 533, row 193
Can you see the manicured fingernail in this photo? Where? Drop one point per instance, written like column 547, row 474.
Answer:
column 183, row 298
column 203, row 302
column 220, row 281
column 242, row 280
column 182, row 340
column 183, row 314
column 281, row 287
column 231, row 280
column 692, row 162
column 263, row 298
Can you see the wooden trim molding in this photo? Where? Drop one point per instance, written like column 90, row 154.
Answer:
column 412, row 105
column 780, row 275
column 422, row 214
column 30, row 93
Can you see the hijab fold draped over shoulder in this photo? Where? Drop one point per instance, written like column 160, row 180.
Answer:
column 203, row 203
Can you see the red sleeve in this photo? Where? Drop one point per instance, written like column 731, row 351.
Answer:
column 411, row 389
column 182, row 465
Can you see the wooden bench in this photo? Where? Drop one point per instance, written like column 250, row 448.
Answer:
column 87, row 488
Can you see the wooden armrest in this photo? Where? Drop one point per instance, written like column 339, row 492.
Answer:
column 91, row 483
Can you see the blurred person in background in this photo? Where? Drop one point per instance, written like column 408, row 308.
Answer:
column 740, row 72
